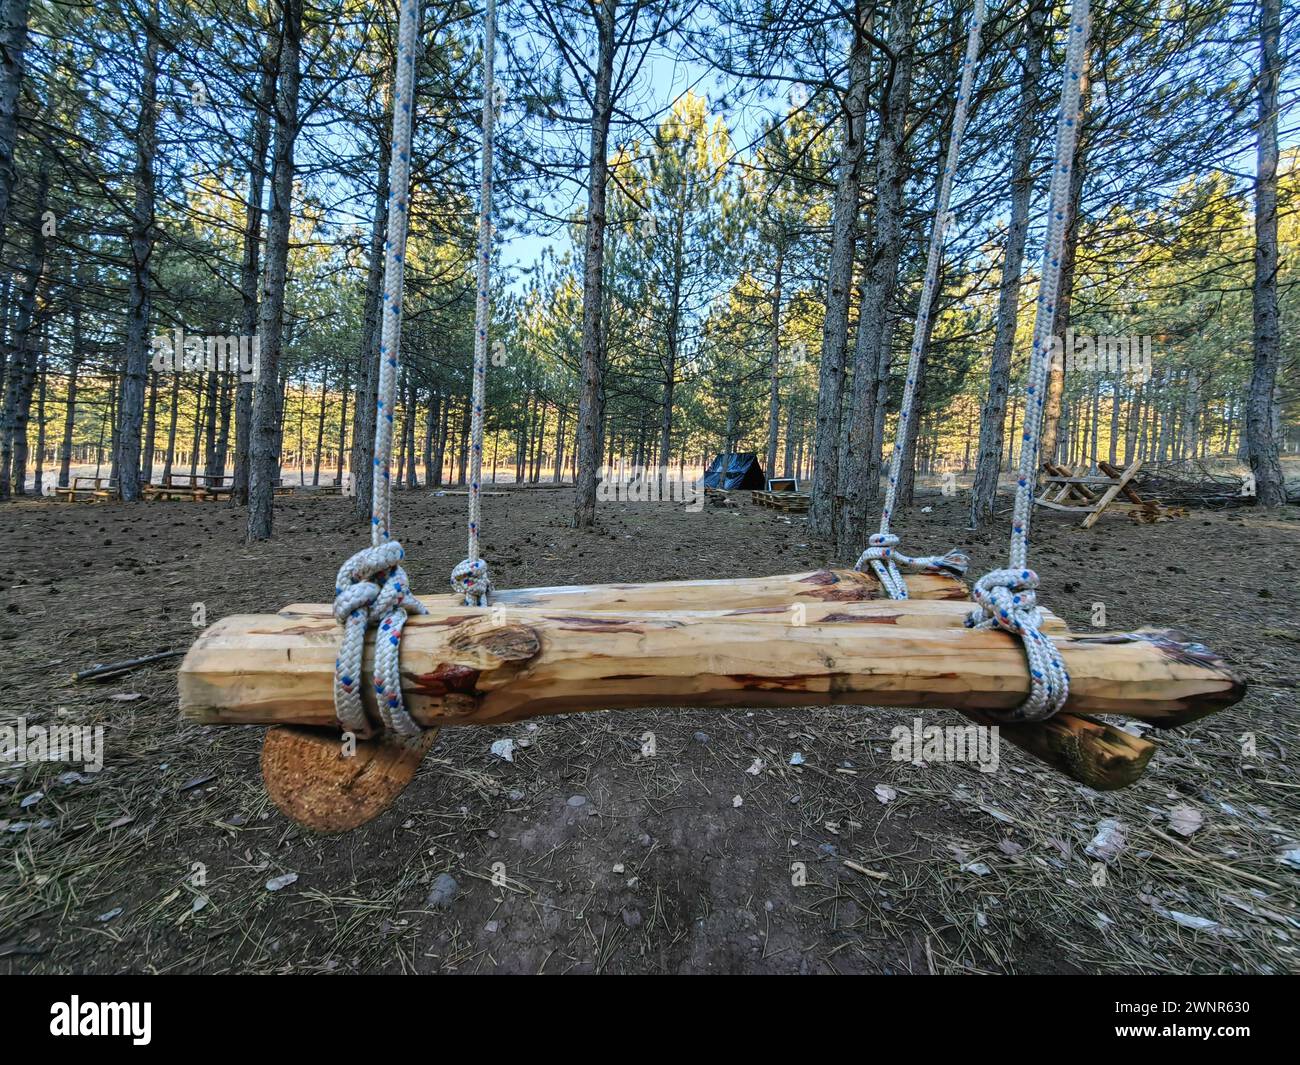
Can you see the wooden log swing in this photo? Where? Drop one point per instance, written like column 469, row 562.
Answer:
column 810, row 639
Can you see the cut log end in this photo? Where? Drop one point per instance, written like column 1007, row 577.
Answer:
column 316, row 779
column 1215, row 684
column 1092, row 752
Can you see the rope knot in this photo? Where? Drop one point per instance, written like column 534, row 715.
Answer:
column 372, row 586
column 470, row 580
column 1007, row 599
column 880, row 546
column 879, row 555
column 885, row 562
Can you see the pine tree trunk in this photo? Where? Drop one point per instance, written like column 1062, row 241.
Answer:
column 248, row 271
column 412, row 411
column 264, row 455
column 27, row 387
column 363, row 413
column 440, row 452
column 70, row 406
column 463, row 458
column 320, row 428
column 139, row 297
column 221, row 448
column 788, row 467
column 1261, row 422
column 839, row 282
column 343, row 420
column 22, row 364
column 559, row 446
column 150, row 431
column 907, row 471
column 672, row 341
column 200, row 411
column 591, row 397
column 210, row 425
column 430, row 430
column 13, row 43
column 39, row 471
column 859, row 473
column 994, row 411
column 774, row 369
column 1056, row 376
column 174, row 413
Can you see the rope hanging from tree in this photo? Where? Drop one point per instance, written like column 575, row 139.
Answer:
column 1007, row 597
column 371, row 585
column 470, row 577
column 885, row 562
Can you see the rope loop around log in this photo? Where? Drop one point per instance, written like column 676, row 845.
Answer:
column 1007, row 600
column 372, row 586
column 885, row 562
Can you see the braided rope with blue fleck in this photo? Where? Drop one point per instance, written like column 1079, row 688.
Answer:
column 371, row 585
column 470, row 577
column 1007, row 597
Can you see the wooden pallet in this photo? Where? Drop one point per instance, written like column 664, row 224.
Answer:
column 787, row 502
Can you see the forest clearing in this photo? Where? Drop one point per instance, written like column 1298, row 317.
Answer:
column 704, row 885
column 649, row 487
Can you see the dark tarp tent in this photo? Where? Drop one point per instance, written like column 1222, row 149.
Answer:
column 744, row 472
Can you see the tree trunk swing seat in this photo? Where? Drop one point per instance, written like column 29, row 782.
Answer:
column 353, row 717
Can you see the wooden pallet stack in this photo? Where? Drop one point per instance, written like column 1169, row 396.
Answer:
column 787, row 502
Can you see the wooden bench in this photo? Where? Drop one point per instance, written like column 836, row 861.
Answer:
column 88, row 488
column 196, row 488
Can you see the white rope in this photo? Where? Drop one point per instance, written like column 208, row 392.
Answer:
column 885, row 562
column 880, row 554
column 1007, row 597
column 371, row 585
column 470, row 577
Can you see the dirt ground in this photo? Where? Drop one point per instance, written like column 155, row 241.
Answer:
column 584, row 855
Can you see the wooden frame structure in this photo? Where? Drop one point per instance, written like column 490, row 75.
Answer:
column 786, row 500
column 1090, row 494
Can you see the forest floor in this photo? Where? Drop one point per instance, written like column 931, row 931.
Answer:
column 612, row 861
